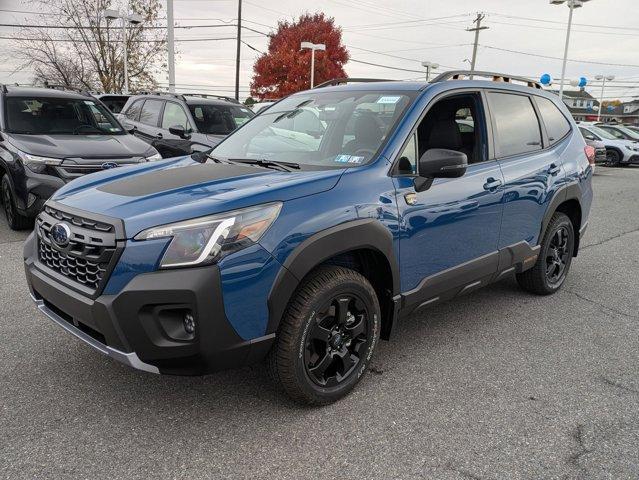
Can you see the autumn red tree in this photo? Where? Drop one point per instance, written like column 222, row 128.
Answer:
column 284, row 69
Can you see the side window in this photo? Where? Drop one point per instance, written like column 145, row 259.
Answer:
column 407, row 164
column 151, row 112
column 516, row 124
column 455, row 123
column 174, row 115
column 588, row 135
column 556, row 124
column 614, row 132
column 133, row 111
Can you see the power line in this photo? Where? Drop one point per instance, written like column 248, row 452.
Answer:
column 558, row 58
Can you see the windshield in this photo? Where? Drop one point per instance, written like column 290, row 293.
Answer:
column 602, row 133
column 326, row 129
column 59, row 116
column 219, row 119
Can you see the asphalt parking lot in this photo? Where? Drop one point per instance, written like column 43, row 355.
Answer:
column 497, row 385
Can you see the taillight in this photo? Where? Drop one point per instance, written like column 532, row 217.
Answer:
column 590, row 154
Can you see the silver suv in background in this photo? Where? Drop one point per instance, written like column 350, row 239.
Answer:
column 619, row 152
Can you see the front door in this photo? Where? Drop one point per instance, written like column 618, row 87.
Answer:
column 449, row 232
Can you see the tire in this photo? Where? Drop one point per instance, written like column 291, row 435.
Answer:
column 555, row 257
column 319, row 355
column 612, row 158
column 15, row 219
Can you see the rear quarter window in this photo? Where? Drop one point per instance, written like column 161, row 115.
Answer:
column 133, row 112
column 557, row 126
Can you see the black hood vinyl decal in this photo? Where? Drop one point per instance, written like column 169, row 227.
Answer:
column 174, row 178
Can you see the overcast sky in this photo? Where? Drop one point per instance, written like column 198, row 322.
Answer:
column 402, row 33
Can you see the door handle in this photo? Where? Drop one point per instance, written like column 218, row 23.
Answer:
column 492, row 184
column 554, row 169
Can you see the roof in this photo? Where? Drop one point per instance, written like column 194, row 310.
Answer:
column 13, row 91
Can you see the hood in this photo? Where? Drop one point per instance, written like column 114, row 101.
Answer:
column 215, row 139
column 157, row 193
column 80, row 146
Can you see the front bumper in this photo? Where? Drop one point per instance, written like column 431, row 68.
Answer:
column 142, row 326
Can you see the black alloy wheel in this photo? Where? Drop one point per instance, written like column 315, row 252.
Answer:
column 612, row 158
column 7, row 203
column 326, row 337
column 558, row 255
column 554, row 259
column 336, row 340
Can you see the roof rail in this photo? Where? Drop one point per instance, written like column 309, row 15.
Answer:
column 342, row 81
column 496, row 77
column 210, row 95
column 168, row 94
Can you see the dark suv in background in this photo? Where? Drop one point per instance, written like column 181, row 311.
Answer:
column 180, row 124
column 49, row 137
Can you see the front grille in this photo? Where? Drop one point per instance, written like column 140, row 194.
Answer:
column 87, row 258
column 76, row 168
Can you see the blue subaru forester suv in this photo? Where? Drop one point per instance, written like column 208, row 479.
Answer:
column 308, row 233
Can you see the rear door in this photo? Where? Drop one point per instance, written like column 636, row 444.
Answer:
column 529, row 161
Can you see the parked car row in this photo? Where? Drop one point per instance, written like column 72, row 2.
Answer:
column 50, row 136
column 621, row 143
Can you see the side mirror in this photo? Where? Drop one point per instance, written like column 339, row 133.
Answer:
column 440, row 163
column 179, row 131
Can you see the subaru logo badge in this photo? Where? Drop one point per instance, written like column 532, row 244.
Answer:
column 60, row 234
column 107, row 165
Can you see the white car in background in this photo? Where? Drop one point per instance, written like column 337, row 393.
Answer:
column 618, row 152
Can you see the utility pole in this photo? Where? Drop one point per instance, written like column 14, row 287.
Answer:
column 237, row 54
column 603, row 79
column 478, row 19
column 170, row 44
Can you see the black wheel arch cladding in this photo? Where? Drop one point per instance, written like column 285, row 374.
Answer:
column 361, row 234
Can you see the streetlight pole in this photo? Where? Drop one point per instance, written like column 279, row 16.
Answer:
column 429, row 66
column 170, row 41
column 572, row 4
column 126, row 18
column 238, row 50
column 603, row 79
column 312, row 46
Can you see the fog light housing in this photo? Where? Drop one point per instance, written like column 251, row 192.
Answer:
column 189, row 324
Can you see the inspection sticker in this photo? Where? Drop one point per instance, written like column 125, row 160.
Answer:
column 394, row 99
column 342, row 158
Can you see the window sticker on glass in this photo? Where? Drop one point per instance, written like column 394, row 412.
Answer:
column 393, row 99
column 342, row 158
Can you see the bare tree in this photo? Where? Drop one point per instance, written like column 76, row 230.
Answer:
column 79, row 48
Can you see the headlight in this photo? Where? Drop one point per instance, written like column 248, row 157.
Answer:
column 632, row 147
column 38, row 164
column 205, row 239
column 153, row 158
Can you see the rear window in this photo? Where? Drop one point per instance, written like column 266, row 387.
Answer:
column 557, row 126
column 516, row 125
column 151, row 112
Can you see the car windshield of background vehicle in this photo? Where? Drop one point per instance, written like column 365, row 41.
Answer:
column 320, row 129
column 219, row 119
column 600, row 132
column 59, row 116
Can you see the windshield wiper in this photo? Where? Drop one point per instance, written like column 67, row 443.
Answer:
column 262, row 162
